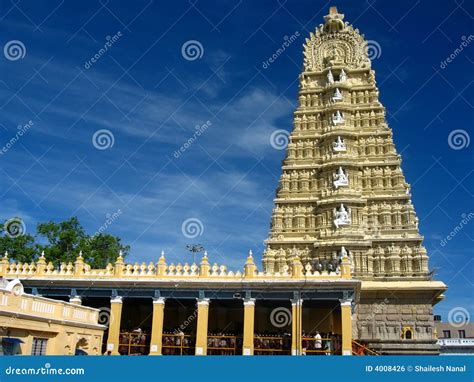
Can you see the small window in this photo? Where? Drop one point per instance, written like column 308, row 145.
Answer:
column 446, row 333
column 462, row 333
column 407, row 333
column 39, row 346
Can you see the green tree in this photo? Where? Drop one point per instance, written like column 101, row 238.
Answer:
column 20, row 248
column 101, row 249
column 62, row 242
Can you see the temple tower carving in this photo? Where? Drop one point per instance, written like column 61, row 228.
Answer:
column 341, row 183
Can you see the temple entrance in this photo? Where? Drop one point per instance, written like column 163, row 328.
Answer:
column 225, row 327
column 321, row 328
column 135, row 327
column 272, row 333
column 179, row 327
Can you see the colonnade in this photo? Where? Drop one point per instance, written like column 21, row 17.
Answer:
column 159, row 303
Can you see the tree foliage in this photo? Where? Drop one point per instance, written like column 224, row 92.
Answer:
column 62, row 242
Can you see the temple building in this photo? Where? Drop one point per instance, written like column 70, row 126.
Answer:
column 34, row 325
column 344, row 270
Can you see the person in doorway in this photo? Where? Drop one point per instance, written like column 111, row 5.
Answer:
column 318, row 343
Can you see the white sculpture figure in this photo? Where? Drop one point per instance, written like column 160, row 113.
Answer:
column 342, row 216
column 345, row 254
column 337, row 96
column 330, row 77
column 342, row 76
column 337, row 118
column 339, row 145
column 340, row 178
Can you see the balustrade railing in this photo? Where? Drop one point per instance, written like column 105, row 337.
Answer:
column 161, row 270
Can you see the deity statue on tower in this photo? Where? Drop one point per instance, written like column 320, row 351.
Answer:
column 337, row 118
column 342, row 216
column 337, row 96
column 330, row 77
column 339, row 145
column 340, row 178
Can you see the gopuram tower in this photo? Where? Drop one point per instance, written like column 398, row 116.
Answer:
column 342, row 193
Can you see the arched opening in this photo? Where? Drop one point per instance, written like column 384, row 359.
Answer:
column 81, row 347
column 407, row 333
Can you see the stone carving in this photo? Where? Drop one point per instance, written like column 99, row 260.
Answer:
column 337, row 70
column 340, row 178
column 330, row 77
column 342, row 216
column 337, row 118
column 342, row 76
column 339, row 145
column 337, row 96
column 335, row 43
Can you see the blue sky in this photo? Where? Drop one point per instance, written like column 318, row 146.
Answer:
column 144, row 91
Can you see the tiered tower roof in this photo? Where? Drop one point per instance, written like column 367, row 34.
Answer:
column 342, row 191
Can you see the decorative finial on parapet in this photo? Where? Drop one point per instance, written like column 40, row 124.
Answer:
column 297, row 267
column 120, row 257
column 119, row 265
column 250, row 269
column 161, row 266
column 79, row 265
column 4, row 263
column 41, row 265
column 346, row 264
column 334, row 21
column 343, row 252
column 204, row 266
